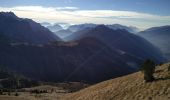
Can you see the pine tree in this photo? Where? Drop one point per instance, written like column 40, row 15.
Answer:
column 169, row 67
column 148, row 69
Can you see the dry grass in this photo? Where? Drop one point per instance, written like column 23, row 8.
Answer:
column 55, row 91
column 55, row 95
column 131, row 87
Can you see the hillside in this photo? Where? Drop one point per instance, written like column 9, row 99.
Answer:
column 87, row 59
column 7, row 77
column 24, row 30
column 123, row 41
column 130, row 87
column 159, row 36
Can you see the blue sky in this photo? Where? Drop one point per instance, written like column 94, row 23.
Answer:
column 140, row 13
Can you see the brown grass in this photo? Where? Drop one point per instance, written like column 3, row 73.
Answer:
column 131, row 87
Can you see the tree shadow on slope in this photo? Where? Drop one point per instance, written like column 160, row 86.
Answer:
column 163, row 78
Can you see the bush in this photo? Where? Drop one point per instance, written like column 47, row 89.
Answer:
column 148, row 69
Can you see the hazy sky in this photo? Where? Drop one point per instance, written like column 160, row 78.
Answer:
column 140, row 13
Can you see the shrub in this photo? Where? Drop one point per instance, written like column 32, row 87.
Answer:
column 148, row 69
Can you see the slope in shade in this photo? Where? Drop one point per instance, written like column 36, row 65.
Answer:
column 24, row 30
column 159, row 36
column 85, row 60
column 121, row 40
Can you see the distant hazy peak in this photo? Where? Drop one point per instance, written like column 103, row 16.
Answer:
column 158, row 28
column 8, row 14
column 101, row 26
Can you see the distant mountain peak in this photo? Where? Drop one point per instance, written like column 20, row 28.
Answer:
column 55, row 27
column 159, row 28
column 104, row 29
column 159, row 36
column 8, row 14
column 24, row 29
column 101, row 28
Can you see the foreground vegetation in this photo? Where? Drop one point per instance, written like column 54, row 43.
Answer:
column 130, row 87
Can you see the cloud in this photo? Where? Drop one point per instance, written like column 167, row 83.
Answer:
column 75, row 15
column 118, row 14
column 67, row 8
column 33, row 8
column 40, row 8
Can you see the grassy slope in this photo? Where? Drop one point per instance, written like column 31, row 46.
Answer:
column 59, row 91
column 131, row 87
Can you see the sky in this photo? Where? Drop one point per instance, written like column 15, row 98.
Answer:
column 140, row 13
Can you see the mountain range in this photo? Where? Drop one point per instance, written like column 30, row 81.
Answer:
column 159, row 36
column 75, row 28
column 121, row 40
column 24, row 30
column 93, row 54
column 54, row 28
column 63, row 33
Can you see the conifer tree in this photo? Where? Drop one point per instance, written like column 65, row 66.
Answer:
column 148, row 69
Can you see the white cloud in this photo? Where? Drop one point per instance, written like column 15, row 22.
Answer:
column 117, row 14
column 33, row 9
column 67, row 8
column 75, row 15
column 40, row 8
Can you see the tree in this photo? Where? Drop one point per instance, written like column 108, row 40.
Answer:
column 1, row 92
column 16, row 94
column 148, row 69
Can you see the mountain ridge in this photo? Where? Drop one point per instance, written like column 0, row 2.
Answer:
column 24, row 30
column 158, row 36
column 119, row 39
